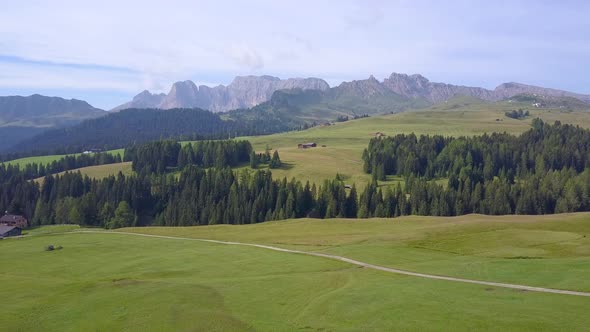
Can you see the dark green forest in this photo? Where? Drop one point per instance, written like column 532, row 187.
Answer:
column 134, row 126
column 545, row 170
column 34, row 170
column 161, row 156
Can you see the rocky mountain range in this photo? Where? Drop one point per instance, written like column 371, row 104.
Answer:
column 242, row 92
column 268, row 103
column 249, row 91
column 417, row 86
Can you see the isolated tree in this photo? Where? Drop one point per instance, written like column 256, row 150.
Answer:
column 75, row 216
column 124, row 216
column 105, row 214
column 275, row 162
column 254, row 160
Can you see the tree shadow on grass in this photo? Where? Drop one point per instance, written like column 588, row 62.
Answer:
column 286, row 166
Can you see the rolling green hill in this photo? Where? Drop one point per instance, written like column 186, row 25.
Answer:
column 346, row 141
column 127, row 282
column 22, row 118
column 100, row 171
column 50, row 158
column 297, row 107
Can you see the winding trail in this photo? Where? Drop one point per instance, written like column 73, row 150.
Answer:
column 359, row 263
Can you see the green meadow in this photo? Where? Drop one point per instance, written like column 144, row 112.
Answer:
column 105, row 282
column 101, row 171
column 345, row 141
column 44, row 160
column 546, row 251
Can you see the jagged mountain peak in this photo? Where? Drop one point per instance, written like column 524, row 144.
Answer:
column 407, row 76
column 253, row 78
column 188, row 85
column 509, row 85
column 248, row 91
column 147, row 94
column 417, row 86
column 242, row 92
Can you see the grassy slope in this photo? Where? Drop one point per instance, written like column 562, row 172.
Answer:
column 100, row 171
column 346, row 141
column 51, row 158
column 121, row 282
column 549, row 251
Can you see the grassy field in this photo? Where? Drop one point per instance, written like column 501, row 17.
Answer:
column 101, row 171
column 123, row 282
column 548, row 251
column 44, row 160
column 346, row 141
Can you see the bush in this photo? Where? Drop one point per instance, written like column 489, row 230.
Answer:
column 51, row 247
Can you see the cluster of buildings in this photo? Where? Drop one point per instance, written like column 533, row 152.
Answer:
column 306, row 145
column 12, row 225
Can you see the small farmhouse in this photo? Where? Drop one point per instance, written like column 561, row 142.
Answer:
column 14, row 220
column 306, row 145
column 90, row 151
column 6, row 231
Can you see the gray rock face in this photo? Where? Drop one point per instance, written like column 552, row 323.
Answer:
column 507, row 90
column 249, row 91
column 417, row 86
column 364, row 89
column 242, row 92
column 143, row 100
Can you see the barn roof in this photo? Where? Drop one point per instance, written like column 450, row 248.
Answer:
column 5, row 229
column 10, row 217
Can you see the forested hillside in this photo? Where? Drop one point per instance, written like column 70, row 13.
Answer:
column 141, row 125
column 160, row 156
column 545, row 170
column 298, row 107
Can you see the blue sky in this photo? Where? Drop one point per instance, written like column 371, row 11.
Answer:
column 106, row 52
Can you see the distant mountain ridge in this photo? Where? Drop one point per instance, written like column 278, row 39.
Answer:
column 24, row 117
column 267, row 103
column 242, row 92
column 249, row 91
column 417, row 86
column 43, row 111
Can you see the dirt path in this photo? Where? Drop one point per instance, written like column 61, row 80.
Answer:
column 363, row 264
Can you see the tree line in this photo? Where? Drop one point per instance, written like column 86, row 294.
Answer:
column 160, row 156
column 544, row 147
column 132, row 126
column 65, row 163
column 544, row 170
column 196, row 197
column 514, row 114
